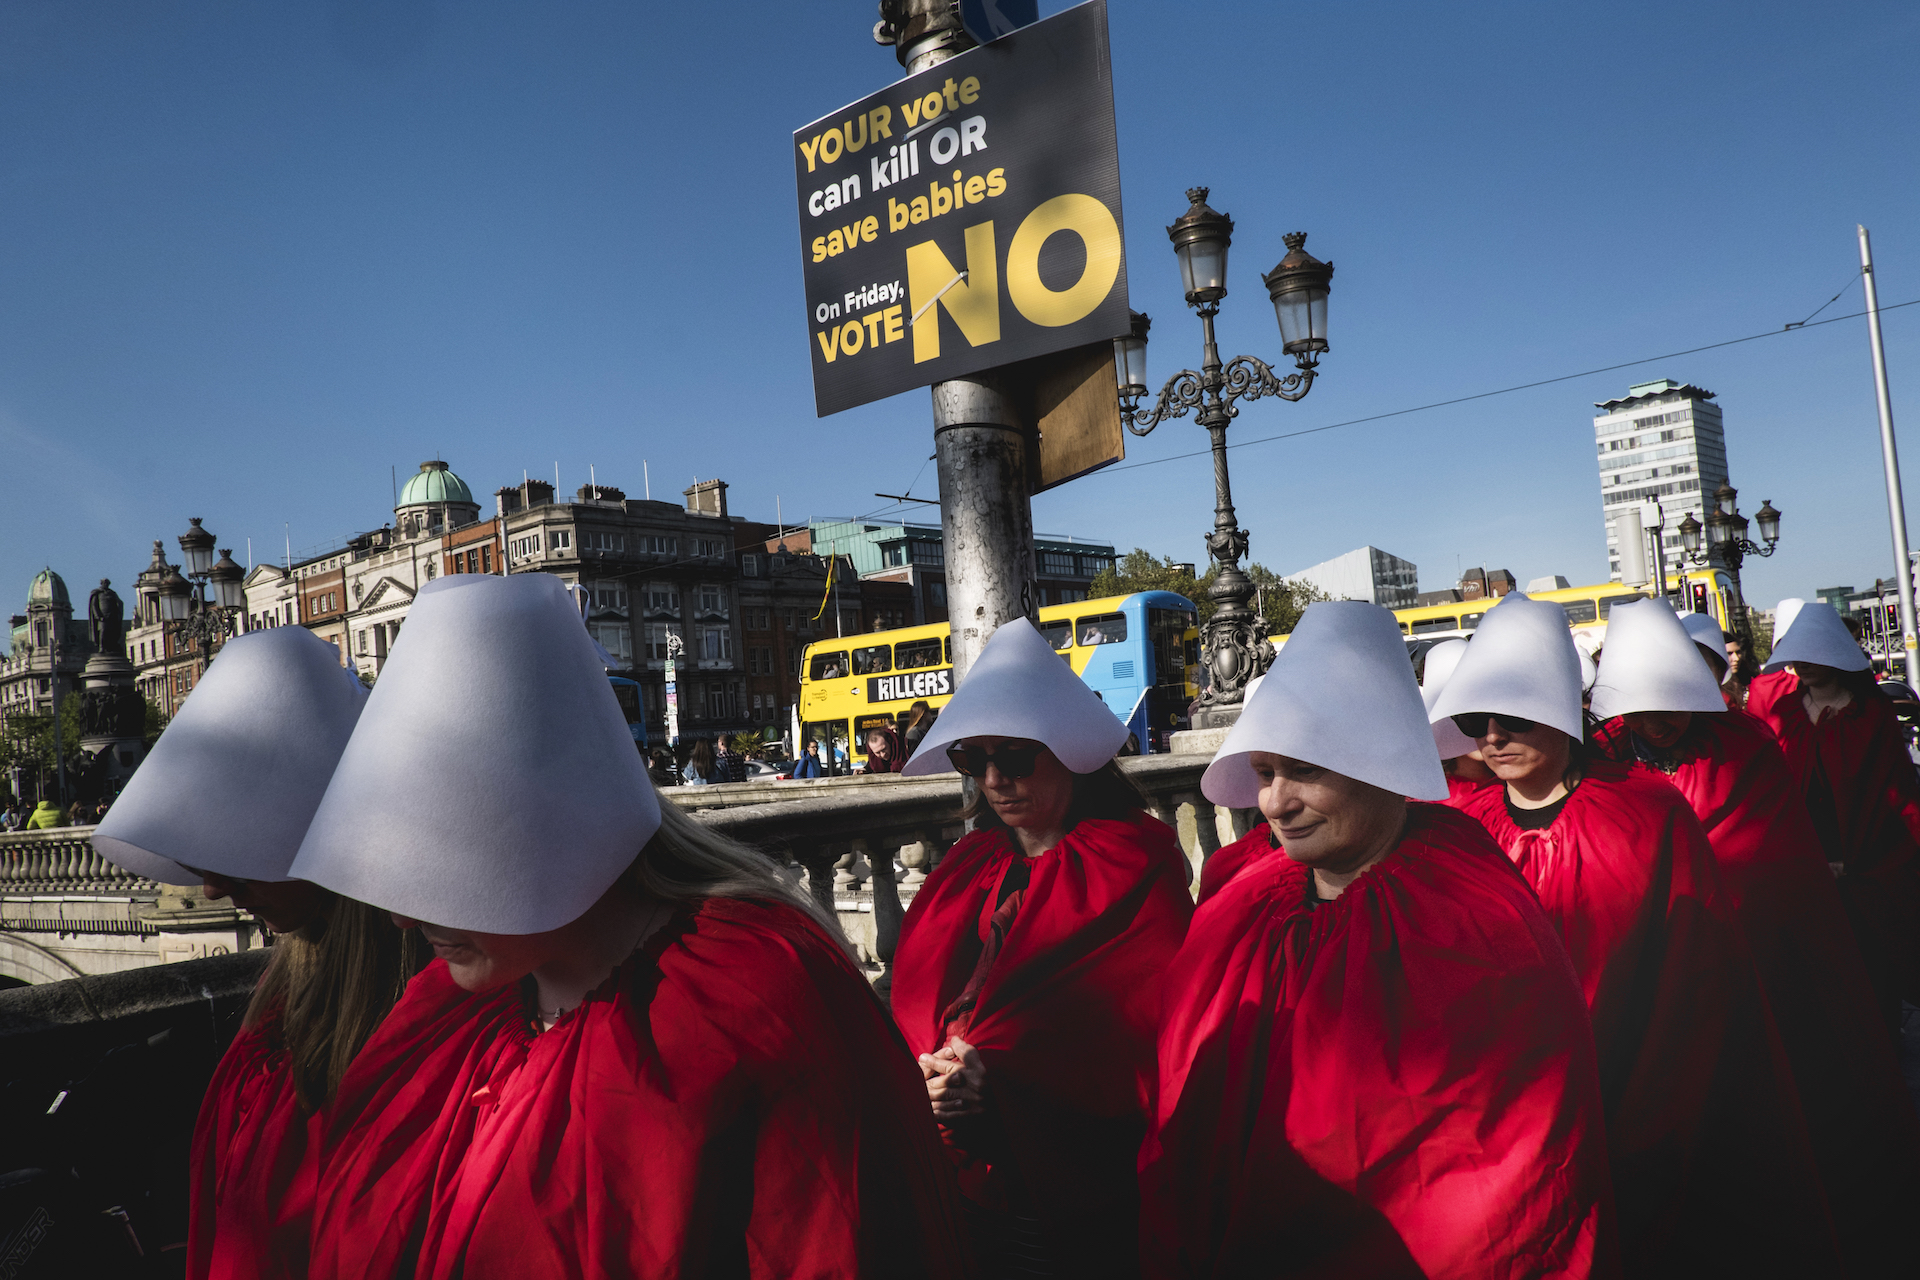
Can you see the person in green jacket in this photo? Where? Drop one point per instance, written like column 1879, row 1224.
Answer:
column 46, row 814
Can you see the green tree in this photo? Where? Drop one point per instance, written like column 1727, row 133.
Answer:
column 1281, row 602
column 154, row 725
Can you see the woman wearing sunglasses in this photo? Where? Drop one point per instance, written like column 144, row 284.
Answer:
column 224, row 799
column 637, row 1052
column 1028, row 974
column 1669, row 718
column 1711, row 1168
column 1374, row 1060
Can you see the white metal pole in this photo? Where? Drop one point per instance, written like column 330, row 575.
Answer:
column 1896, row 504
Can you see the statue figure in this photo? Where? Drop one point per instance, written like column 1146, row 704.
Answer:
column 104, row 615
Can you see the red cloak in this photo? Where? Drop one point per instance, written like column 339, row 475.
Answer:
column 732, row 1101
column 1460, row 790
column 252, row 1191
column 400, row 1119
column 1230, row 860
column 1860, row 1118
column 1065, row 1022
column 1415, row 1051
column 1863, row 794
column 1711, row 1166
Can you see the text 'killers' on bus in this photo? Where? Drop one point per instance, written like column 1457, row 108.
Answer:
column 921, row 684
column 1017, row 138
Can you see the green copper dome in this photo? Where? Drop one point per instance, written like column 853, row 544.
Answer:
column 435, row 484
column 47, row 588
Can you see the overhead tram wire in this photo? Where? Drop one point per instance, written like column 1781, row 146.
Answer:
column 1800, row 327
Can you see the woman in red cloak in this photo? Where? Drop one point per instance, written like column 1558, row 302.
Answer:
column 1711, row 1165
column 619, row 1065
column 1860, row 1118
column 1029, row 968
column 1848, row 752
column 1375, row 1060
column 229, row 788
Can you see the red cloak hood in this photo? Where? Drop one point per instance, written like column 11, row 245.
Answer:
column 1410, row 1062
column 1229, row 860
column 1860, row 1117
column 1066, row 1020
column 1711, row 1167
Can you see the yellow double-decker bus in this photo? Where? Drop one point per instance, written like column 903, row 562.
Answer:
column 1133, row 650
column 1695, row 591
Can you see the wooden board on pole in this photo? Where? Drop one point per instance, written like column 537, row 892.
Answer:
column 1076, row 409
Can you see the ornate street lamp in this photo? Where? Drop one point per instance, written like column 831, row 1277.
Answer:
column 226, row 578
column 1234, row 648
column 196, row 549
column 199, row 609
column 1727, row 545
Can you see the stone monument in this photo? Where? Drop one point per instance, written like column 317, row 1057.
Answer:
column 113, row 715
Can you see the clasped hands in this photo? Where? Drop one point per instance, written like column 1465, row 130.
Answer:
column 956, row 1080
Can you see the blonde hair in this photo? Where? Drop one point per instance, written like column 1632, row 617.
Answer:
column 331, row 983
column 687, row 860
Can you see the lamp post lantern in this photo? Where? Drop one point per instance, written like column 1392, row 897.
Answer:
column 1726, row 544
column 199, row 609
column 1233, row 646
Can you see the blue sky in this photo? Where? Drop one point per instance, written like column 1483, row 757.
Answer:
column 252, row 256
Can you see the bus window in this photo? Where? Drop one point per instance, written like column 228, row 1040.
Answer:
column 1607, row 602
column 910, row 654
column 1107, row 628
column 864, row 723
column 1165, row 627
column 872, row 661
column 827, row 666
column 1579, row 611
column 948, row 649
column 832, row 737
column 1425, row 625
column 1468, row 621
column 1059, row 633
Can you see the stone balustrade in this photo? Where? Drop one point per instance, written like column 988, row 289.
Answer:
column 62, row 860
column 863, row 845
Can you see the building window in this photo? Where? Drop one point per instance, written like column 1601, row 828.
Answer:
column 616, row 639
column 713, row 601
column 521, row 548
column 609, row 597
column 657, row 546
column 363, row 642
column 750, row 565
column 929, row 553
column 716, row 644
column 1094, row 566
column 789, row 619
column 486, row 558
column 709, row 547
column 657, row 633
column 893, row 555
column 662, row 600
column 1058, row 564
column 937, row 593
column 600, row 540
column 559, row 539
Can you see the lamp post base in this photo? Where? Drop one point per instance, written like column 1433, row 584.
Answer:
column 1221, row 717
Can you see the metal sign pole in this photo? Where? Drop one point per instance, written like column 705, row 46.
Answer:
column 1896, row 504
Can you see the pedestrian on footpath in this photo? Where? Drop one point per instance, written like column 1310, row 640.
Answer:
column 1029, row 970
column 1845, row 745
column 808, row 765
column 1672, row 721
column 639, row 1053
column 1375, row 1059
column 223, row 801
column 1712, row 1170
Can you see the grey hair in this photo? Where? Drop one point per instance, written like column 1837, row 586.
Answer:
column 687, row 860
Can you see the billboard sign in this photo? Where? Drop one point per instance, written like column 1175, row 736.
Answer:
column 966, row 217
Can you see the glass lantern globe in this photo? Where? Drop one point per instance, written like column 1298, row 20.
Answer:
column 1690, row 534
column 175, row 597
column 225, row 579
column 1299, row 287
column 1200, row 238
column 196, row 549
column 1130, row 357
column 1728, row 499
column 1769, row 521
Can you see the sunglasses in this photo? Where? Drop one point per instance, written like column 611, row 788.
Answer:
column 1474, row 723
column 1012, row 761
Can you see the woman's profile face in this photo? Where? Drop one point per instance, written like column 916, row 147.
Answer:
column 485, row 961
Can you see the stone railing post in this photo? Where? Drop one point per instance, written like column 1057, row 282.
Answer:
column 1206, row 830
column 887, row 915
